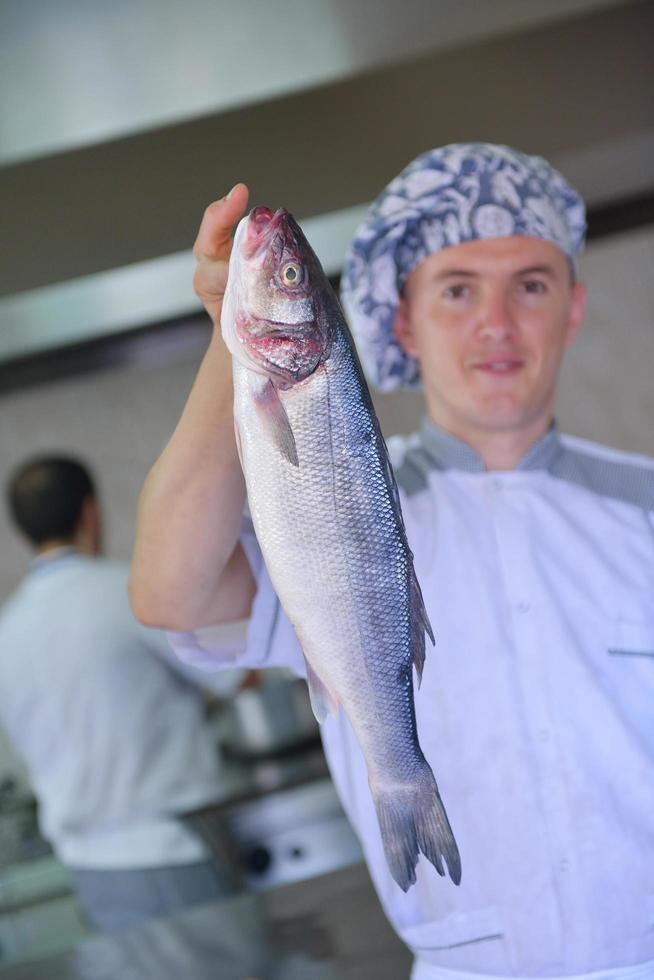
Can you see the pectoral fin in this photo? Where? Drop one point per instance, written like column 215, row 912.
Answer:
column 273, row 418
column 239, row 450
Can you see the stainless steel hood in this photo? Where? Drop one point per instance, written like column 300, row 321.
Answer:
column 119, row 123
column 106, row 303
column 76, row 72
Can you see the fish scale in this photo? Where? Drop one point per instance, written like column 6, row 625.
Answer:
column 327, row 516
column 292, row 509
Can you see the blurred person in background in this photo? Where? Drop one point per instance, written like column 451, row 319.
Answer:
column 535, row 555
column 110, row 726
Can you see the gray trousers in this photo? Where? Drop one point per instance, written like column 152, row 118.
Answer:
column 113, row 900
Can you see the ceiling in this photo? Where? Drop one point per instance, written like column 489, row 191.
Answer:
column 120, row 122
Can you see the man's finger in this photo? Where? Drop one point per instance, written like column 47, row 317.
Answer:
column 215, row 234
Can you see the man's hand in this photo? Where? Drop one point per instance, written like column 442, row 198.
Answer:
column 213, row 247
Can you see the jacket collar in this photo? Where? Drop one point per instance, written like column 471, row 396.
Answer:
column 446, row 452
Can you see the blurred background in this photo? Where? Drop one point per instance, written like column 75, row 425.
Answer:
column 120, row 122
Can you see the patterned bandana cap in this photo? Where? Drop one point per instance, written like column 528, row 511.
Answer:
column 454, row 194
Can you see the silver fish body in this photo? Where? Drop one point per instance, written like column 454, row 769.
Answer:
column 325, row 508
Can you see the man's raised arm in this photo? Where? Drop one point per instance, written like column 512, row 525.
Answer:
column 188, row 569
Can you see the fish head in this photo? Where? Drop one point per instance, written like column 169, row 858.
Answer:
column 272, row 319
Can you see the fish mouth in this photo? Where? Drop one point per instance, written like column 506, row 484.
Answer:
column 261, row 227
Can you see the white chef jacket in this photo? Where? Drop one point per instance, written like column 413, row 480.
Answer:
column 536, row 709
column 109, row 724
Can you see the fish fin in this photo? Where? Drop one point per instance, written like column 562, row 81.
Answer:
column 322, row 700
column 419, row 619
column 239, row 448
column 390, row 476
column 419, row 626
column 272, row 415
column 412, row 820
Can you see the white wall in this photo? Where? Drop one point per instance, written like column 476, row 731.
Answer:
column 607, row 387
column 74, row 73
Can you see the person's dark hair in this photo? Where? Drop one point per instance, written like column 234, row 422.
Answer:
column 46, row 495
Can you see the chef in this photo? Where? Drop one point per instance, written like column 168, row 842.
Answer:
column 110, row 725
column 534, row 550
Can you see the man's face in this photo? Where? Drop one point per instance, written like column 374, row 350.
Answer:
column 488, row 322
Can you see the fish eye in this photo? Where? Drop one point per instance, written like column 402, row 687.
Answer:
column 292, row 273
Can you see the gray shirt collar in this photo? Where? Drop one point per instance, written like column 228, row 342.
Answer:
column 446, row 452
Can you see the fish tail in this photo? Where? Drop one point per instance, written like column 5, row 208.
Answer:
column 412, row 820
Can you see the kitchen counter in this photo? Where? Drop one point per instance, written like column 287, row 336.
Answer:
column 326, row 928
column 38, row 912
column 243, row 778
column 275, row 818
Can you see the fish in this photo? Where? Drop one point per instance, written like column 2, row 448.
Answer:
column 326, row 512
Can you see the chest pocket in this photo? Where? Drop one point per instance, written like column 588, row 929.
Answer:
column 462, row 940
column 628, row 668
column 632, row 638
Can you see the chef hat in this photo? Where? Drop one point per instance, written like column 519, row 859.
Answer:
column 458, row 193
